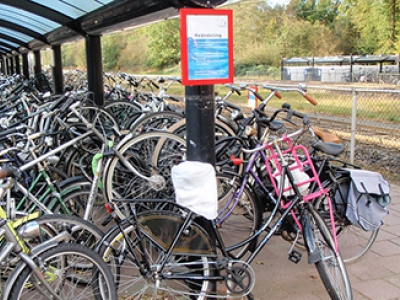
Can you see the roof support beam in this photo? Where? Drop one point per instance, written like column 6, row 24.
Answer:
column 45, row 12
column 13, row 40
column 23, row 30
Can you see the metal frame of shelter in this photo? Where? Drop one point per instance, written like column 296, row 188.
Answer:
column 350, row 60
column 31, row 25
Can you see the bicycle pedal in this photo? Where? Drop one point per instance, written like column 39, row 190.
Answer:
column 295, row 256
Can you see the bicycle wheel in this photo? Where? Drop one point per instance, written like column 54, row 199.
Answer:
column 353, row 241
column 152, row 155
column 80, row 231
column 329, row 264
column 221, row 129
column 65, row 267
column 155, row 121
column 239, row 215
column 98, row 214
column 122, row 111
column 177, row 280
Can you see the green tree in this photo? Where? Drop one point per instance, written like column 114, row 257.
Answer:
column 163, row 44
column 375, row 23
column 112, row 46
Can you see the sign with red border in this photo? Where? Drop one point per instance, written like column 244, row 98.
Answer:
column 206, row 46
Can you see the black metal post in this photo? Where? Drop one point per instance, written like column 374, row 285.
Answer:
column 9, row 71
column 94, row 62
column 3, row 65
column 200, row 123
column 25, row 65
column 17, row 65
column 58, row 83
column 37, row 69
column 12, row 65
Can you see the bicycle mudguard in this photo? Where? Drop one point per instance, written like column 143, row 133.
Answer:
column 71, row 181
column 312, row 250
column 21, row 266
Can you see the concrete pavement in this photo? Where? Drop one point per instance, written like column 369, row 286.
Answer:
column 375, row 276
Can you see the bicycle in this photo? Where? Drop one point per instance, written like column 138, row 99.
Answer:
column 140, row 247
column 52, row 269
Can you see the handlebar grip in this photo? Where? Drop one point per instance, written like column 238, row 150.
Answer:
column 231, row 105
column 20, row 88
column 57, row 102
column 278, row 95
column 155, row 84
column 310, row 99
column 65, row 106
column 8, row 172
column 173, row 98
column 298, row 114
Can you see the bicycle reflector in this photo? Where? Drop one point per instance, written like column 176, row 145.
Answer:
column 236, row 161
column 109, row 207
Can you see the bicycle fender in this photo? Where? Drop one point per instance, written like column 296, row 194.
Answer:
column 127, row 137
column 312, row 250
column 71, row 180
column 22, row 265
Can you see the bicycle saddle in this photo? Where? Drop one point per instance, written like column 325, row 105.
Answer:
column 326, row 136
column 328, row 147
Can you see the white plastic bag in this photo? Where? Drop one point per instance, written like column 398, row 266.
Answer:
column 196, row 187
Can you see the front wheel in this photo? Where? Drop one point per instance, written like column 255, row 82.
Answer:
column 64, row 267
column 329, row 263
column 182, row 276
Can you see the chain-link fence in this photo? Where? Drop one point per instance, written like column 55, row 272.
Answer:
column 367, row 120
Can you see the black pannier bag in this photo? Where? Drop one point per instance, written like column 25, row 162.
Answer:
column 367, row 199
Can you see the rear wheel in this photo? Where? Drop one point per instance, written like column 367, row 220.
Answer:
column 353, row 241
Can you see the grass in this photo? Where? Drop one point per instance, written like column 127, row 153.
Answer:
column 371, row 106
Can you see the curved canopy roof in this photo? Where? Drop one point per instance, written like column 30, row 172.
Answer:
column 34, row 24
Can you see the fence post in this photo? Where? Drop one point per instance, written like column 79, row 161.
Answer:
column 353, row 126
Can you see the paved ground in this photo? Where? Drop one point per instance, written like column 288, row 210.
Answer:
column 376, row 276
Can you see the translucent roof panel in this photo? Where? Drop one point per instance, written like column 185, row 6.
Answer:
column 73, row 8
column 15, row 34
column 8, row 43
column 26, row 19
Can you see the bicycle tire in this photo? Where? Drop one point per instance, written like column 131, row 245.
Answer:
column 237, row 221
column 221, row 129
column 122, row 110
column 330, row 265
column 155, row 121
column 64, row 266
column 151, row 154
column 81, row 232
column 99, row 215
column 353, row 241
column 131, row 282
